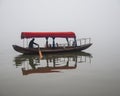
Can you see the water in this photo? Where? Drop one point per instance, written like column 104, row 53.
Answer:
column 92, row 73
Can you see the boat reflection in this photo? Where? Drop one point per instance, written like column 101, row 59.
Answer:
column 51, row 62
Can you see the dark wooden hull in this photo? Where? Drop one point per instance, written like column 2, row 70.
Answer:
column 50, row 50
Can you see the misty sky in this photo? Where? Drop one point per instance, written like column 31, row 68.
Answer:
column 92, row 18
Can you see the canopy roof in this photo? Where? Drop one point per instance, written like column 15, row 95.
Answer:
column 47, row 34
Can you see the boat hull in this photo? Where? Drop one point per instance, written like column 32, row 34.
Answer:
column 50, row 50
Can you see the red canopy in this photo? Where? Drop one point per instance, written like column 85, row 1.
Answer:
column 47, row 34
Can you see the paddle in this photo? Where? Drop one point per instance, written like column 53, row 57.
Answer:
column 40, row 53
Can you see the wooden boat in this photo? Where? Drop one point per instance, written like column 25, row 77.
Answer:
column 54, row 49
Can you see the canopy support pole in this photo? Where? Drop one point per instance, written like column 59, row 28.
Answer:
column 67, row 42
column 53, row 42
column 75, row 41
column 46, row 41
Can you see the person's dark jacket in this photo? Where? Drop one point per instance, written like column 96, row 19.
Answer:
column 32, row 43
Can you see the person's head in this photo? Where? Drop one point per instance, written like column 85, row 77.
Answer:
column 33, row 39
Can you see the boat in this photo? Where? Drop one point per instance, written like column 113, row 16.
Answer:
column 51, row 63
column 70, row 46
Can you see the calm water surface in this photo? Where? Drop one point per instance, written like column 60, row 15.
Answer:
column 94, row 72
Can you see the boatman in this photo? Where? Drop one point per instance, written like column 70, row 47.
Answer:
column 32, row 43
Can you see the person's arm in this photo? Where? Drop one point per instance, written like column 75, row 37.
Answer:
column 36, row 44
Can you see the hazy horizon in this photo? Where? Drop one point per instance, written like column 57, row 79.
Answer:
column 97, row 19
column 87, row 18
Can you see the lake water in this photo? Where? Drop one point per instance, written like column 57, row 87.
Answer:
column 94, row 72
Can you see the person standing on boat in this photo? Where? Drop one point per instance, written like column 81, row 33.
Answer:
column 32, row 43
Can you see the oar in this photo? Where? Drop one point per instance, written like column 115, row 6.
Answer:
column 40, row 53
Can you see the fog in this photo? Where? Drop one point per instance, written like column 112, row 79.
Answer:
column 98, row 19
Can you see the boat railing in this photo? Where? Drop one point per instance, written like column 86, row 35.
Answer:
column 63, row 45
column 81, row 41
